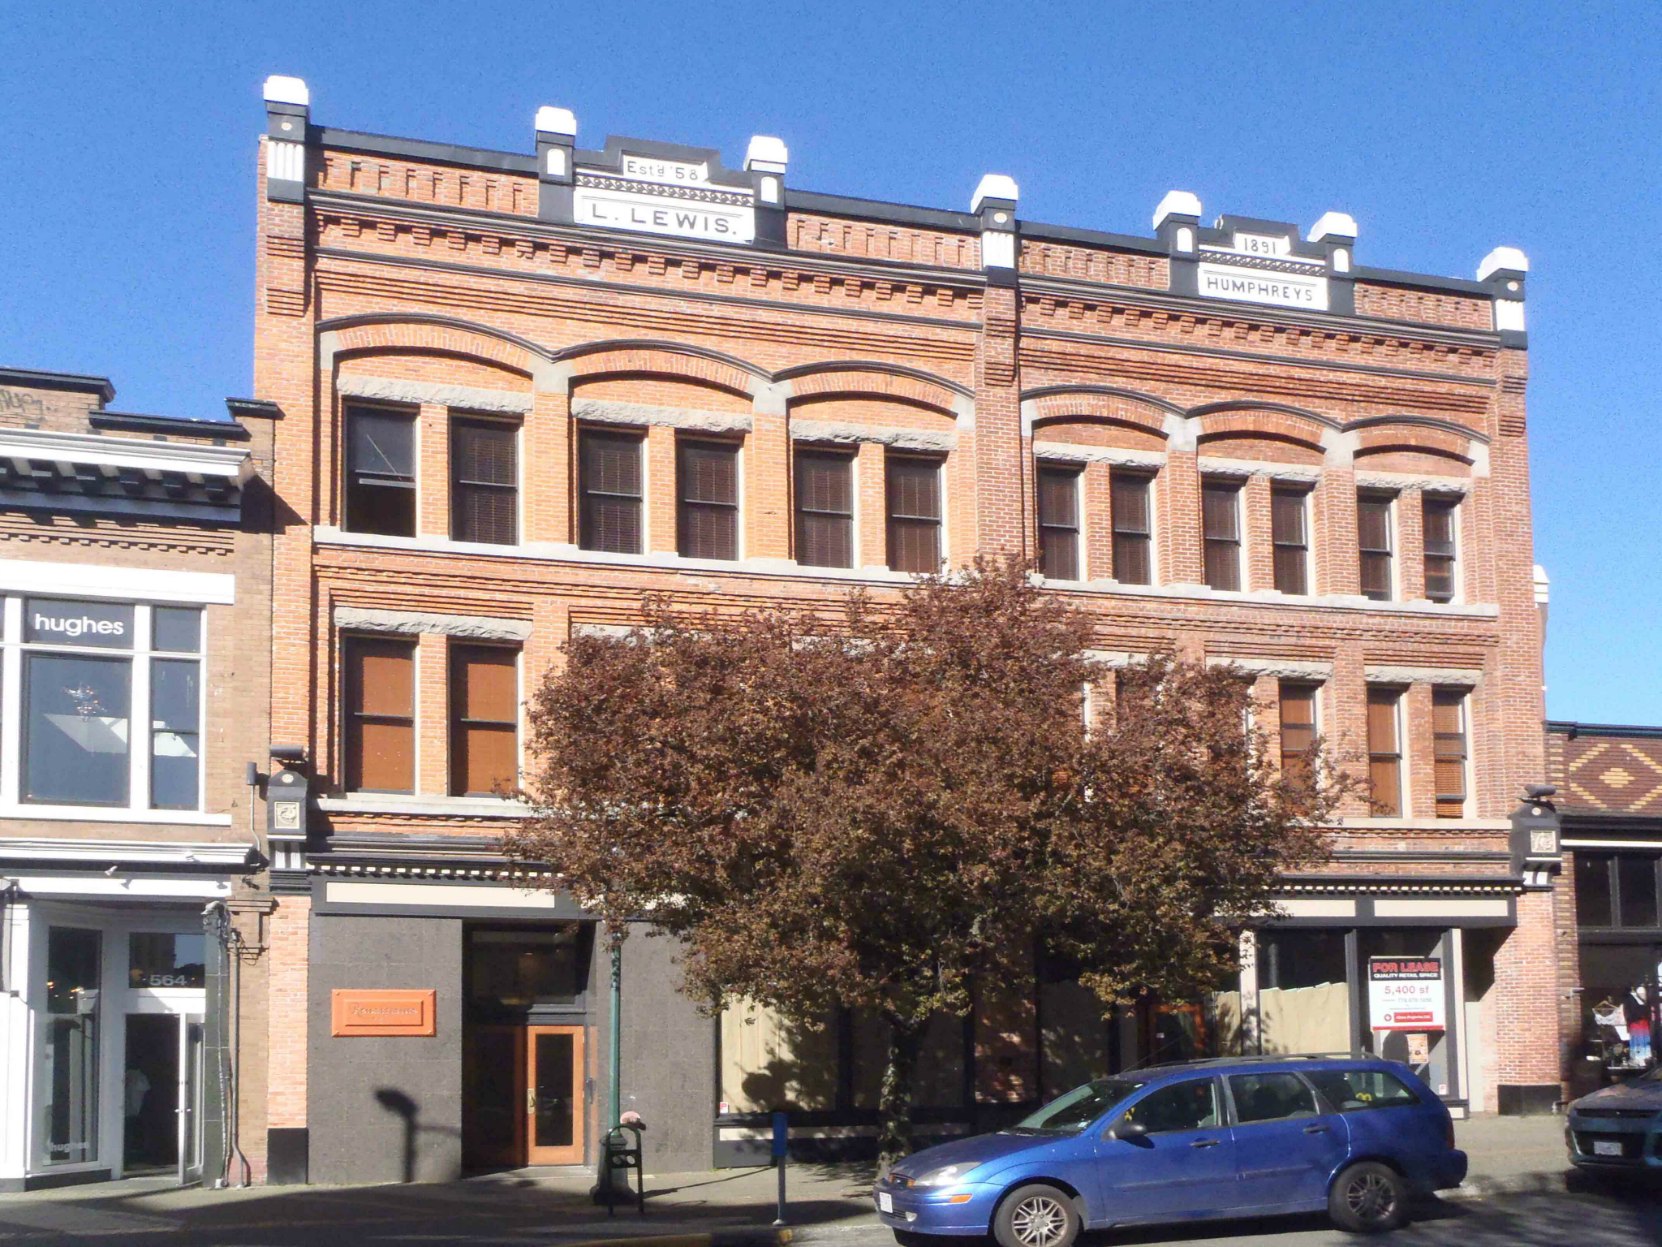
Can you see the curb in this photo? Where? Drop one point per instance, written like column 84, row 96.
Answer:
column 1538, row 1182
column 715, row 1238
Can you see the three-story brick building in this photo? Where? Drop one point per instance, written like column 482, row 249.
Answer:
column 523, row 390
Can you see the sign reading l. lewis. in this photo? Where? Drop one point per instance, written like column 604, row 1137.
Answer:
column 663, row 196
column 1406, row 994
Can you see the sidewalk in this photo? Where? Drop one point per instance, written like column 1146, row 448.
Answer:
column 719, row 1208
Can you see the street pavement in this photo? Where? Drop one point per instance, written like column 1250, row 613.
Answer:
column 1518, row 1194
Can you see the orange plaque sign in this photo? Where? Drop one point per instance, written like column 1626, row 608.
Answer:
column 381, row 1013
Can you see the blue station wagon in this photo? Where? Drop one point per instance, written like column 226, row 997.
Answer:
column 1241, row 1137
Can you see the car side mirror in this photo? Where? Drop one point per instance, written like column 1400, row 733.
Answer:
column 1129, row 1130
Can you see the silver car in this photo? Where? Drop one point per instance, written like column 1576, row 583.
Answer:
column 1620, row 1127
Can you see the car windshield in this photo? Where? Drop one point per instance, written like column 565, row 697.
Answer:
column 1071, row 1113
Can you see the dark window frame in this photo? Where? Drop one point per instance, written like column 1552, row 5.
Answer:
column 590, row 499
column 1061, row 536
column 1443, row 751
column 1296, row 759
column 896, row 522
column 803, row 515
column 1221, row 545
column 460, row 423
column 689, row 510
column 356, row 479
column 1442, row 564
column 1297, row 551
column 1608, row 863
column 1392, row 756
column 1378, row 556
column 1132, row 543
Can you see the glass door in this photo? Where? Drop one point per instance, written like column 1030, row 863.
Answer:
column 554, row 1095
column 191, row 1088
column 493, row 1097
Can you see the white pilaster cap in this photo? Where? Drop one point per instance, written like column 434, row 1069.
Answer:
column 1333, row 225
column 1508, row 258
column 1177, row 203
column 1543, row 586
column 281, row 89
column 994, row 186
column 767, row 154
column 551, row 120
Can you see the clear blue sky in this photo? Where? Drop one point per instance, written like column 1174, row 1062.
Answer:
column 127, row 176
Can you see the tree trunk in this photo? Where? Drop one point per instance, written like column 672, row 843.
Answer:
column 894, row 1103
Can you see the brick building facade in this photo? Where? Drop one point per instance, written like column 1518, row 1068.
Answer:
column 523, row 390
column 134, row 684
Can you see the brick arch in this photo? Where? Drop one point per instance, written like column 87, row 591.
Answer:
column 593, row 360
column 1273, row 421
column 1425, row 437
column 874, row 379
column 414, row 333
column 1053, row 405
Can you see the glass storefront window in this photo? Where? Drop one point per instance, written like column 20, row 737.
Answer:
column 164, row 959
column 76, row 729
column 175, row 715
column 519, row 970
column 69, row 1051
column 1303, row 994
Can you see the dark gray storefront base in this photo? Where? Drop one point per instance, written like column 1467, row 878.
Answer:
column 1528, row 1099
column 669, row 1056
column 385, row 1109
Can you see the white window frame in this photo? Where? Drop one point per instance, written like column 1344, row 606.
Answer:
column 1080, row 551
column 141, row 723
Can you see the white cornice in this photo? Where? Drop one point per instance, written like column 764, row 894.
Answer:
column 168, row 853
column 226, row 462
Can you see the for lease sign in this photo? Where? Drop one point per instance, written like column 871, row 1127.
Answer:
column 1406, row 994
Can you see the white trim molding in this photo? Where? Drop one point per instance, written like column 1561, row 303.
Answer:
column 1387, row 673
column 1282, row 668
column 1217, row 465
column 370, row 619
column 231, row 463
column 1117, row 455
column 230, row 854
column 1412, row 480
column 847, row 433
column 441, row 807
column 690, row 419
column 103, row 580
column 461, row 397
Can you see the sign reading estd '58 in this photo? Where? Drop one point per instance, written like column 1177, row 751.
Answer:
column 1406, row 994
column 663, row 197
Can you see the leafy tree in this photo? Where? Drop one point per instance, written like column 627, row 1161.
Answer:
column 871, row 805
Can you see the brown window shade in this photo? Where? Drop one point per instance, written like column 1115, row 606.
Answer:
column 380, row 471
column 707, row 518
column 1384, row 752
column 484, row 481
column 609, row 485
column 1133, row 554
column 380, row 714
column 1298, row 730
column 1220, row 511
column 1289, row 534
column 1058, row 498
column 824, row 508
column 1373, row 527
column 484, row 719
column 1439, row 547
column 1448, row 726
column 914, row 498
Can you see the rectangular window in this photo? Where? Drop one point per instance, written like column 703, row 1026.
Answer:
column 707, row 520
column 71, row 1041
column 1133, row 547
column 1290, row 536
column 1058, row 506
column 1439, row 547
column 1298, row 730
column 1448, row 727
column 1594, row 901
column 1384, row 752
column 484, row 720
column 77, row 723
column 824, row 508
column 380, row 471
column 380, row 714
column 609, row 484
column 484, row 481
column 1220, row 511
column 1373, row 527
column 1636, row 889
column 914, row 498
column 1617, row 890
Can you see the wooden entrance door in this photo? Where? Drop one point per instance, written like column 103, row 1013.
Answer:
column 554, row 1095
column 493, row 1097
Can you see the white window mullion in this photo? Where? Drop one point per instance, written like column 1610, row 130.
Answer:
column 139, row 730
column 11, row 703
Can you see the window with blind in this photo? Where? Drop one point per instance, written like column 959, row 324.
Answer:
column 914, row 504
column 484, row 481
column 1133, row 546
column 1384, row 752
column 1058, row 499
column 1298, row 731
column 1448, row 727
column 1373, row 527
column 484, row 719
column 1220, row 515
column 380, row 714
column 824, row 508
column 609, row 491
column 380, row 471
column 707, row 514
column 1618, row 889
column 1439, row 515
column 1290, row 537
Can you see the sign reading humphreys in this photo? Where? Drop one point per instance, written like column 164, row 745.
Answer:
column 1406, row 994
column 659, row 196
column 1252, row 285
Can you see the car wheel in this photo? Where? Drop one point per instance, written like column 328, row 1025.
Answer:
column 1368, row 1198
column 1036, row 1216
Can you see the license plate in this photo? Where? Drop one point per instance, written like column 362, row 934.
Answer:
column 885, row 1202
column 1606, row 1147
